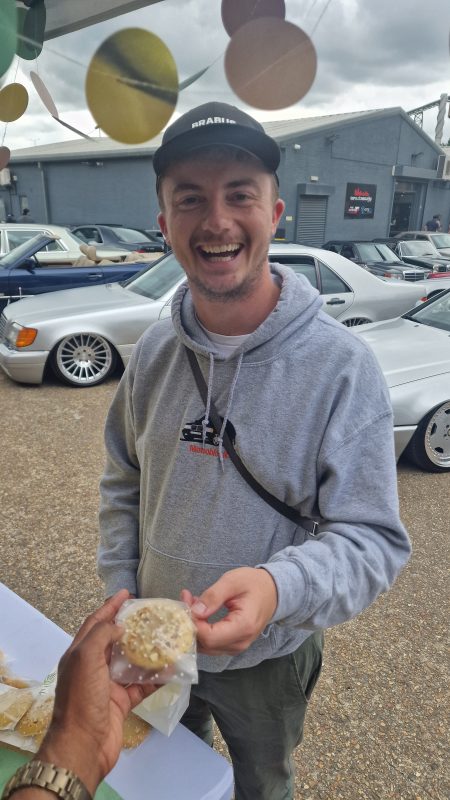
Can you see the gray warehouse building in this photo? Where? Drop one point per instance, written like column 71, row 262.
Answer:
column 356, row 175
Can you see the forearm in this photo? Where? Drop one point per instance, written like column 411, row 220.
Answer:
column 332, row 579
column 362, row 545
column 66, row 750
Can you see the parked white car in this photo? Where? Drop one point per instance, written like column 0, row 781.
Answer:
column 414, row 354
column 64, row 249
column 83, row 333
column 439, row 240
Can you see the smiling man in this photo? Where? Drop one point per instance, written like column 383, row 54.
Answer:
column 303, row 402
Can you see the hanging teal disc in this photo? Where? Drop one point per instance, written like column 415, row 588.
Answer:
column 8, row 33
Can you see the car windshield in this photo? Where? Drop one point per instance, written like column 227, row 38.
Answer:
column 416, row 248
column 387, row 253
column 436, row 313
column 130, row 235
column 440, row 239
column 377, row 252
column 21, row 251
column 157, row 280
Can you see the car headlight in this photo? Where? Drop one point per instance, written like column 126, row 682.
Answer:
column 19, row 336
column 397, row 275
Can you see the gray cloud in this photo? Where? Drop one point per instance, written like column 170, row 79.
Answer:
column 386, row 43
column 366, row 49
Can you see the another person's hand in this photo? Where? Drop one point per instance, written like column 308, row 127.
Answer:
column 85, row 734
column 250, row 597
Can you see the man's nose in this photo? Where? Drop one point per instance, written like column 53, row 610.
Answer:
column 217, row 216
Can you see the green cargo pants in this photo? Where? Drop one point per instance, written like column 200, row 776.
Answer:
column 260, row 713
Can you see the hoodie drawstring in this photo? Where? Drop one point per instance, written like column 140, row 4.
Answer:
column 228, row 408
column 205, row 422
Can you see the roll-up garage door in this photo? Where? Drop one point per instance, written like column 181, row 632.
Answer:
column 311, row 219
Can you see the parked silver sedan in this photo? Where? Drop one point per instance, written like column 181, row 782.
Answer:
column 414, row 354
column 82, row 334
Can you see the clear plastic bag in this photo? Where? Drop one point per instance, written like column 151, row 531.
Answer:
column 164, row 708
column 158, row 644
column 14, row 703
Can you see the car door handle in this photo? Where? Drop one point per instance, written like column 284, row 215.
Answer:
column 335, row 302
column 93, row 275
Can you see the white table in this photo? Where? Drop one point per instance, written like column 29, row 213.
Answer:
column 179, row 767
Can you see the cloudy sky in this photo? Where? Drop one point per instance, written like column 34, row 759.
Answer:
column 371, row 54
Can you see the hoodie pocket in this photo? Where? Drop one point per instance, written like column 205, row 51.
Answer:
column 161, row 574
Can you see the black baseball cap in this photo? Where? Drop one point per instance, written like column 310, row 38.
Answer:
column 216, row 124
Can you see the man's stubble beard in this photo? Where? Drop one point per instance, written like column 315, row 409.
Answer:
column 239, row 292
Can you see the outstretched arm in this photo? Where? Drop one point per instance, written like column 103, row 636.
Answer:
column 85, row 734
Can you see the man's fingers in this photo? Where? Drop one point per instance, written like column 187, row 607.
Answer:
column 219, row 594
column 106, row 613
column 187, row 597
column 229, row 635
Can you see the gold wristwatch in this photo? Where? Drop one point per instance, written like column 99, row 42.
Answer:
column 58, row 780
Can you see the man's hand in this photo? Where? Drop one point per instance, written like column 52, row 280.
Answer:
column 85, row 734
column 249, row 595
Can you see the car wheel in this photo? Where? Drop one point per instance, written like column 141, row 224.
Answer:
column 351, row 323
column 430, row 445
column 83, row 359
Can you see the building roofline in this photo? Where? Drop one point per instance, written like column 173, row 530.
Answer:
column 102, row 148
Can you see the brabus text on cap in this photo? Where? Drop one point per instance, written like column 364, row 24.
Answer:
column 213, row 121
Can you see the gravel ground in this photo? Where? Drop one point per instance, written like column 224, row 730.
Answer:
column 378, row 722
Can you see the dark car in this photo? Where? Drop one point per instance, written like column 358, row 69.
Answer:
column 418, row 253
column 21, row 274
column 377, row 258
column 193, row 432
column 131, row 239
column 158, row 236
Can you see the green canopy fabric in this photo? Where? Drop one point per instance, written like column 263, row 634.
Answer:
column 10, row 760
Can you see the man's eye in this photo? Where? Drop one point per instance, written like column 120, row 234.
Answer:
column 191, row 200
column 241, row 197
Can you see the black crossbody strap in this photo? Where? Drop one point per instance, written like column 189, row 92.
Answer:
column 287, row 511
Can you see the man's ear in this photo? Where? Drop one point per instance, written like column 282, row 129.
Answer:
column 278, row 209
column 162, row 224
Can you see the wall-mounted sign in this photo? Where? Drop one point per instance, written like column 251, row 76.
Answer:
column 360, row 200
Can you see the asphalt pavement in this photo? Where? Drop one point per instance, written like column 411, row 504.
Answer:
column 378, row 723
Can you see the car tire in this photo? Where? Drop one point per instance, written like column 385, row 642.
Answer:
column 83, row 359
column 429, row 448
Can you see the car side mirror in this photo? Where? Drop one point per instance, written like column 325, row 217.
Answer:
column 28, row 263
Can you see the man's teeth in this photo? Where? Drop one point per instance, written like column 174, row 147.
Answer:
column 223, row 248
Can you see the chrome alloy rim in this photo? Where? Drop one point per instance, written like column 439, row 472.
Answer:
column 84, row 358
column 437, row 437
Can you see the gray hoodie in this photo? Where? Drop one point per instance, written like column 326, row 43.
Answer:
column 312, row 421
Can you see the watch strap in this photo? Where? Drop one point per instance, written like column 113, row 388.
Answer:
column 62, row 782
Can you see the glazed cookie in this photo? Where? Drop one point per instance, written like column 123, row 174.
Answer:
column 135, row 730
column 157, row 634
column 37, row 719
column 17, row 683
column 13, row 705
